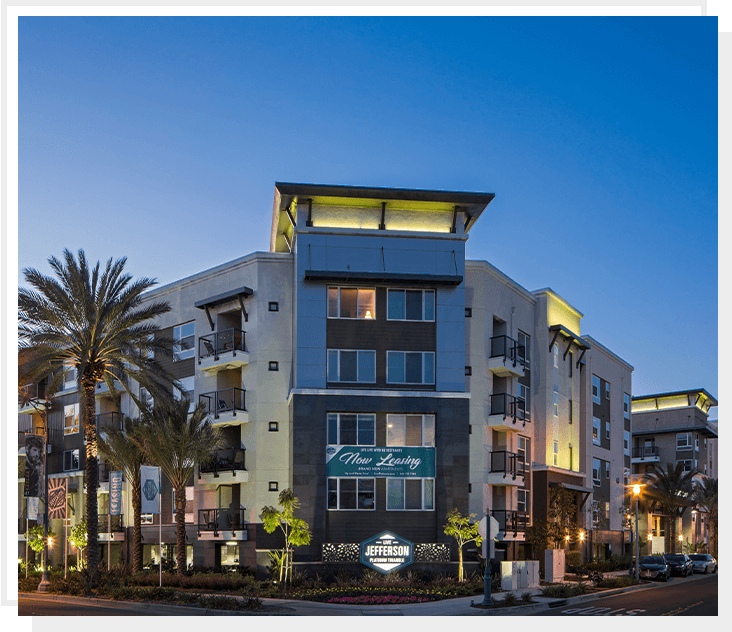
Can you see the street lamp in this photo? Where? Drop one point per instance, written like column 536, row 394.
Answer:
column 636, row 493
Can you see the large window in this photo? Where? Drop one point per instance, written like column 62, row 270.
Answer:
column 683, row 441
column 596, row 431
column 71, row 419
column 351, row 302
column 188, row 391
column 71, row 460
column 183, row 341
column 522, row 449
column 523, row 500
column 411, row 305
column 409, row 494
column 595, row 389
column 524, row 350
column 687, row 464
column 351, row 429
column 351, row 366
column 626, row 405
column 410, row 367
column 410, row 430
column 351, row 493
column 69, row 376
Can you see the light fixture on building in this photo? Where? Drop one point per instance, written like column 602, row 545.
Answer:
column 582, row 536
column 368, row 314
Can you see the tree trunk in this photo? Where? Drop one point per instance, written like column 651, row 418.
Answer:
column 460, row 563
column 671, row 534
column 136, row 489
column 180, row 530
column 88, row 410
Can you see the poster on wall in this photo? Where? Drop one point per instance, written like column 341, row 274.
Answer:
column 34, row 447
column 383, row 462
column 150, row 481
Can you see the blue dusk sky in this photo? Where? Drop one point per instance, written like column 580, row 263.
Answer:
column 160, row 139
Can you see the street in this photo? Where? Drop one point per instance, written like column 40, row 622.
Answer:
column 38, row 607
column 681, row 596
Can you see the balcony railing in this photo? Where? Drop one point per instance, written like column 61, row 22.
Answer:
column 228, row 460
column 645, row 451
column 509, row 406
column 224, row 401
column 32, row 391
column 108, row 421
column 221, row 519
column 505, row 347
column 510, row 520
column 507, row 463
column 221, row 342
column 118, row 524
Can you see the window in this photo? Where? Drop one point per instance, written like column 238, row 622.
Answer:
column 607, row 429
column 274, row 306
column 523, row 500
column 555, row 351
column 410, row 494
column 187, row 393
column 524, row 341
column 556, row 452
column 556, row 404
column 410, row 430
column 351, row 493
column 596, row 431
column 687, row 464
column 696, row 443
column 571, row 411
column 71, row 460
column 273, row 486
column 351, row 366
column 351, row 429
column 626, row 442
column 146, row 398
column 183, row 338
column 571, row 362
column 596, row 471
column 71, row 419
column 468, row 312
column 607, row 390
column 522, row 449
column 469, row 371
column 571, row 457
column 274, row 426
column 351, row 302
column 411, row 305
column 146, row 518
column 595, row 389
column 607, row 510
column 274, row 365
column 626, row 405
column 607, row 469
column 410, row 367
column 683, row 441
column 524, row 393
column 69, row 376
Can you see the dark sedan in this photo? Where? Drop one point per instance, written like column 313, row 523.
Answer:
column 652, row 567
column 679, row 564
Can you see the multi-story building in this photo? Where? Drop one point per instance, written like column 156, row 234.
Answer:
column 364, row 363
column 672, row 428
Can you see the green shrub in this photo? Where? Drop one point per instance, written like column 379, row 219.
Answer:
column 573, row 558
column 217, row 602
column 563, row 591
column 617, row 582
column 527, row 598
column 509, row 600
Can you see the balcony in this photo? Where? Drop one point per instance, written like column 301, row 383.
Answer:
column 508, row 413
column 646, row 454
column 103, row 389
column 508, row 357
column 108, row 421
column 510, row 522
column 224, row 467
column 227, row 406
column 222, row 524
column 222, row 350
column 506, row 469
column 35, row 393
column 117, row 533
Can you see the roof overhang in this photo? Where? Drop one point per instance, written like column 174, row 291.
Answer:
column 570, row 338
column 225, row 297
column 348, row 276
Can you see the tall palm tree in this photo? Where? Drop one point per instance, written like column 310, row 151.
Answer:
column 670, row 492
column 96, row 324
column 125, row 454
column 706, row 496
column 177, row 441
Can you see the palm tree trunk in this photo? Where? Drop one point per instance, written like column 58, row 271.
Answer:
column 136, row 489
column 88, row 410
column 180, row 529
column 671, row 534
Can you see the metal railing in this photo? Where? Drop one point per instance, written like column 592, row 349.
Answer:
column 644, row 451
column 118, row 524
column 510, row 406
column 221, row 519
column 510, row 520
column 507, row 463
column 227, row 460
column 505, row 347
column 224, row 401
column 108, row 421
column 221, row 342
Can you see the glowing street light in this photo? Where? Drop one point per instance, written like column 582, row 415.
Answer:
column 636, row 492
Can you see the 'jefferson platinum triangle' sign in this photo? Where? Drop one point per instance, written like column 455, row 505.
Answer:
column 387, row 552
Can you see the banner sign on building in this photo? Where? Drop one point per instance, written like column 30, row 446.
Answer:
column 34, row 448
column 150, row 480
column 380, row 462
column 32, row 507
column 387, row 552
column 57, row 498
column 115, row 493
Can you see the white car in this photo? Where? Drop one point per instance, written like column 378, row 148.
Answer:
column 703, row 563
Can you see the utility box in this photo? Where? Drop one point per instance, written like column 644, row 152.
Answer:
column 528, row 573
column 509, row 579
column 553, row 565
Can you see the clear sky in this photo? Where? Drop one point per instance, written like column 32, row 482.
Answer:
column 160, row 139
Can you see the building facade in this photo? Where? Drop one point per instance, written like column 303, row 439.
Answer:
column 364, row 363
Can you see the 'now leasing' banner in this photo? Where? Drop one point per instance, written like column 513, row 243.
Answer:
column 380, row 462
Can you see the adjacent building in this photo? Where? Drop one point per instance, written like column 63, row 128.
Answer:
column 366, row 364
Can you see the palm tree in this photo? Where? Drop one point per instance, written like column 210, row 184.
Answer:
column 706, row 496
column 95, row 324
column 670, row 491
column 177, row 441
column 125, row 454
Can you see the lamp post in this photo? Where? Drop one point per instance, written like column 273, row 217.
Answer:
column 45, row 584
column 636, row 493
column 487, row 600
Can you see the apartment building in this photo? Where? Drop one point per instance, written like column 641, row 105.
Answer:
column 364, row 363
column 672, row 428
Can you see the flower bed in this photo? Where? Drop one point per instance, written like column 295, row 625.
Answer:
column 372, row 595
column 374, row 600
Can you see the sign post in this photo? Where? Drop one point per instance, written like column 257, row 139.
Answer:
column 115, row 506
column 488, row 529
column 150, row 480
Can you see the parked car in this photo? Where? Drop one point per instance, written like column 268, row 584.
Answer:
column 651, row 567
column 703, row 563
column 679, row 564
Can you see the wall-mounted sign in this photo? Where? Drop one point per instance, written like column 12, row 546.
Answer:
column 387, row 552
column 380, row 462
column 115, row 493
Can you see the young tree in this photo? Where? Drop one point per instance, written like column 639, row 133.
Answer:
column 670, row 491
column 562, row 514
column 296, row 531
column 461, row 528
column 37, row 538
column 93, row 322
column 79, row 538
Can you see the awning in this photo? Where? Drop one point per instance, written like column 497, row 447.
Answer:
column 240, row 293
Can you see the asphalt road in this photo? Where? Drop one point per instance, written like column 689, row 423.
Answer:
column 29, row 606
column 679, row 597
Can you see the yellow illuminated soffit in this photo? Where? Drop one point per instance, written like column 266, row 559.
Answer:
column 360, row 218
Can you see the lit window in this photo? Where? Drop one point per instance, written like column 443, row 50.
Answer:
column 410, row 367
column 351, row 302
column 410, row 494
column 352, row 493
column 351, row 366
column 596, row 431
column 411, row 305
column 595, row 389
column 183, row 339
column 351, row 429
column 410, row 430
column 71, row 419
